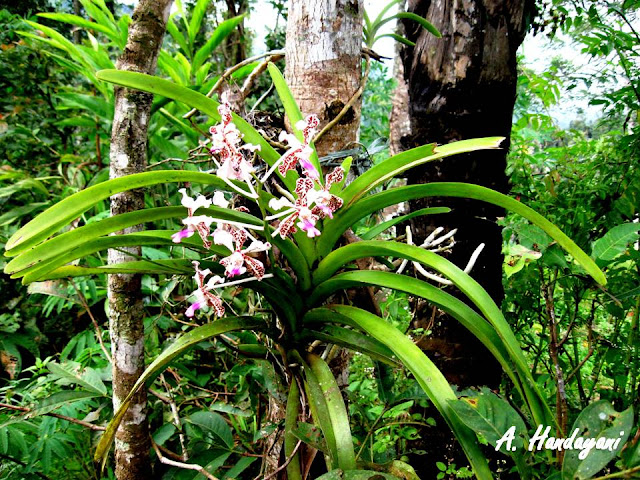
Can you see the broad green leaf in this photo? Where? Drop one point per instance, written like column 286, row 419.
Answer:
column 533, row 237
column 402, row 162
column 486, row 413
column 222, row 31
column 428, row 376
column 164, row 433
column 179, row 346
column 214, row 424
column 347, row 216
column 59, row 399
column 615, row 241
column 338, row 418
column 69, row 208
column 373, row 232
column 85, row 380
column 598, row 420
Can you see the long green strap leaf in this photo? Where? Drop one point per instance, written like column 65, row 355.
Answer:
column 352, row 339
column 346, row 217
column 182, row 344
column 402, row 162
column 292, row 110
column 76, row 237
column 294, row 471
column 41, row 271
column 319, row 411
column 338, row 418
column 428, row 376
column 158, row 86
column 461, row 280
column 155, row 267
column 69, row 208
column 471, row 320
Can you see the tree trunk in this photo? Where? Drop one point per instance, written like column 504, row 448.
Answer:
column 461, row 86
column 323, row 54
column 128, row 155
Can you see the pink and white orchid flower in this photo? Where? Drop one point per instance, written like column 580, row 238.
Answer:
column 200, row 223
column 240, row 260
column 327, row 203
column 203, row 294
column 300, row 151
column 301, row 211
column 225, row 140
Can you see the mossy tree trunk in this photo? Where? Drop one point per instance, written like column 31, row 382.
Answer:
column 128, row 154
column 461, row 86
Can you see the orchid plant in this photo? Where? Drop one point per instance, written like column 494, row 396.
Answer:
column 292, row 251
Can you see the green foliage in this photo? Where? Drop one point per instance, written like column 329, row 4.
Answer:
column 219, row 375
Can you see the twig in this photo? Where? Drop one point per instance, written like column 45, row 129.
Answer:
column 248, row 83
column 284, row 465
column 186, row 466
column 176, row 419
column 349, row 104
column 623, row 473
column 229, row 71
column 88, row 425
column 85, row 304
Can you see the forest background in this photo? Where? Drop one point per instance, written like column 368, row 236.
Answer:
column 212, row 405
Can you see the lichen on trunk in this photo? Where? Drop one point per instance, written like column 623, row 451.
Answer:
column 128, row 154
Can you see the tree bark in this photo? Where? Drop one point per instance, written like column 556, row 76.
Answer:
column 323, row 54
column 128, row 154
column 461, row 86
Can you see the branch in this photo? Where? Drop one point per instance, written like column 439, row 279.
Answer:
column 186, row 466
column 274, row 54
column 88, row 425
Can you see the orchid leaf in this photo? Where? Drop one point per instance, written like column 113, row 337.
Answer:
column 347, row 216
column 179, row 346
column 426, row 373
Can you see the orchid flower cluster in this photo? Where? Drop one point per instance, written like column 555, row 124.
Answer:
column 313, row 201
